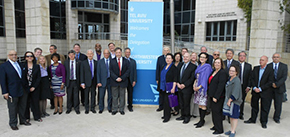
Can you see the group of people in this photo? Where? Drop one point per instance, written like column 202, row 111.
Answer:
column 28, row 84
column 205, row 83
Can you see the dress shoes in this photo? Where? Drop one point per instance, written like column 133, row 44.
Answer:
column 14, row 127
column 122, row 112
column 46, row 114
column 194, row 116
column 110, row 111
column 38, row 120
column 159, row 109
column 114, row 112
column 241, row 117
column 264, row 126
column 165, row 120
column 200, row 124
column 59, row 113
column 42, row 115
column 55, row 112
column 68, row 111
column 78, row 112
column 186, row 120
column 86, row 112
column 277, row 121
column 162, row 117
column 94, row 111
column 25, row 123
column 180, row 118
column 130, row 109
column 217, row 133
column 196, row 123
column 100, row 111
column 212, row 128
column 249, row 121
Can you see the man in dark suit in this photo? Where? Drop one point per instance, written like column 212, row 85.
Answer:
column 103, row 80
column 13, row 90
column 245, row 77
column 185, row 83
column 262, row 79
column 279, row 87
column 230, row 61
column 119, row 70
column 160, row 63
column 80, row 57
column 72, row 83
column 132, row 79
column 89, row 81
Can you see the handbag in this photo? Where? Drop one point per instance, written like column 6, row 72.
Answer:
column 169, row 86
column 228, row 111
column 173, row 101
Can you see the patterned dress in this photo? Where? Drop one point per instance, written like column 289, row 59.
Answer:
column 56, row 83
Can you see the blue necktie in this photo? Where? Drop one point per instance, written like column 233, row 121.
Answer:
column 229, row 64
column 181, row 73
column 275, row 71
column 18, row 69
column 91, row 66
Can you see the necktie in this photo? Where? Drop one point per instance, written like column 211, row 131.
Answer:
column 91, row 66
column 229, row 64
column 241, row 73
column 182, row 70
column 275, row 71
column 72, row 70
column 107, row 65
column 119, row 64
column 18, row 69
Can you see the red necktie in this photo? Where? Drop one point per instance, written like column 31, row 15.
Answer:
column 119, row 64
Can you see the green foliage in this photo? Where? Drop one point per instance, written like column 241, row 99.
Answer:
column 285, row 7
column 246, row 6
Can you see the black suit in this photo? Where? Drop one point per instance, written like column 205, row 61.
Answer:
column 185, row 94
column 234, row 62
column 266, row 95
column 216, row 89
column 81, row 57
column 72, row 85
column 247, row 72
column 12, row 84
column 118, row 88
column 160, row 63
column 33, row 97
column 90, row 83
column 132, row 78
column 171, row 76
column 279, row 81
column 210, row 59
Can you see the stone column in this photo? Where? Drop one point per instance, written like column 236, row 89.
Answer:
column 71, row 26
column 10, row 25
column 37, row 25
column 264, row 29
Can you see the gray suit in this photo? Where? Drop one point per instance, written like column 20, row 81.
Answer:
column 103, row 77
column 132, row 77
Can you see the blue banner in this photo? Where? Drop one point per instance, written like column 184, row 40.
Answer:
column 145, row 39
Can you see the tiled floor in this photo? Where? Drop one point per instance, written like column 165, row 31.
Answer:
column 144, row 121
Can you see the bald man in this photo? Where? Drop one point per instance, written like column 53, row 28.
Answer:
column 13, row 90
column 262, row 79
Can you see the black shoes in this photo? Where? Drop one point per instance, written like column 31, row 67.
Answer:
column 200, row 124
column 51, row 107
column 14, row 127
column 212, row 128
column 159, row 109
column 78, row 112
column 122, row 112
column 277, row 121
column 130, row 109
column 94, row 111
column 68, row 111
column 180, row 118
column 25, row 123
column 241, row 117
column 249, row 122
column 100, row 111
column 110, row 111
column 264, row 126
column 165, row 120
column 216, row 132
column 86, row 112
column 186, row 120
column 114, row 112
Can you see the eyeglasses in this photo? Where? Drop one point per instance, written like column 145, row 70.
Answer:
column 202, row 57
column 29, row 56
column 216, row 54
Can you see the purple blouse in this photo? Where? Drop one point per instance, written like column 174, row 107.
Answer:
column 60, row 71
column 43, row 71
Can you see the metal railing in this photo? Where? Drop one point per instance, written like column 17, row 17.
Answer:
column 112, row 5
column 102, row 36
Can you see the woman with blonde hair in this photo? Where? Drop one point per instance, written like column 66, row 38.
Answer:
column 45, row 92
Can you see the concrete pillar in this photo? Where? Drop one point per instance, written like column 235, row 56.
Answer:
column 71, row 25
column 37, row 25
column 264, row 29
column 10, row 25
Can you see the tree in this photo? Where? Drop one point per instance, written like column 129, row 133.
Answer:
column 285, row 7
column 246, row 6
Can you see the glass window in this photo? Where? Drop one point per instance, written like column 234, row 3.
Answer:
column 58, row 19
column 186, row 17
column 19, row 18
column 186, row 4
column 185, row 29
column 221, row 31
column 2, row 24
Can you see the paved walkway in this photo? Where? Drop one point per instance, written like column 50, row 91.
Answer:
column 144, row 122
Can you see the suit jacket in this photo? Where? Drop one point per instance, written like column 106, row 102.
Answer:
column 160, row 63
column 102, row 73
column 115, row 72
column 246, row 76
column 281, row 77
column 187, row 77
column 265, row 83
column 48, row 59
column 82, row 57
column 216, row 88
column 36, row 76
column 67, row 72
column 10, row 81
column 210, row 59
column 133, row 71
column 86, row 74
column 95, row 56
column 234, row 62
column 171, row 75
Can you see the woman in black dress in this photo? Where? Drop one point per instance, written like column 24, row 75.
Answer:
column 31, row 76
column 45, row 92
